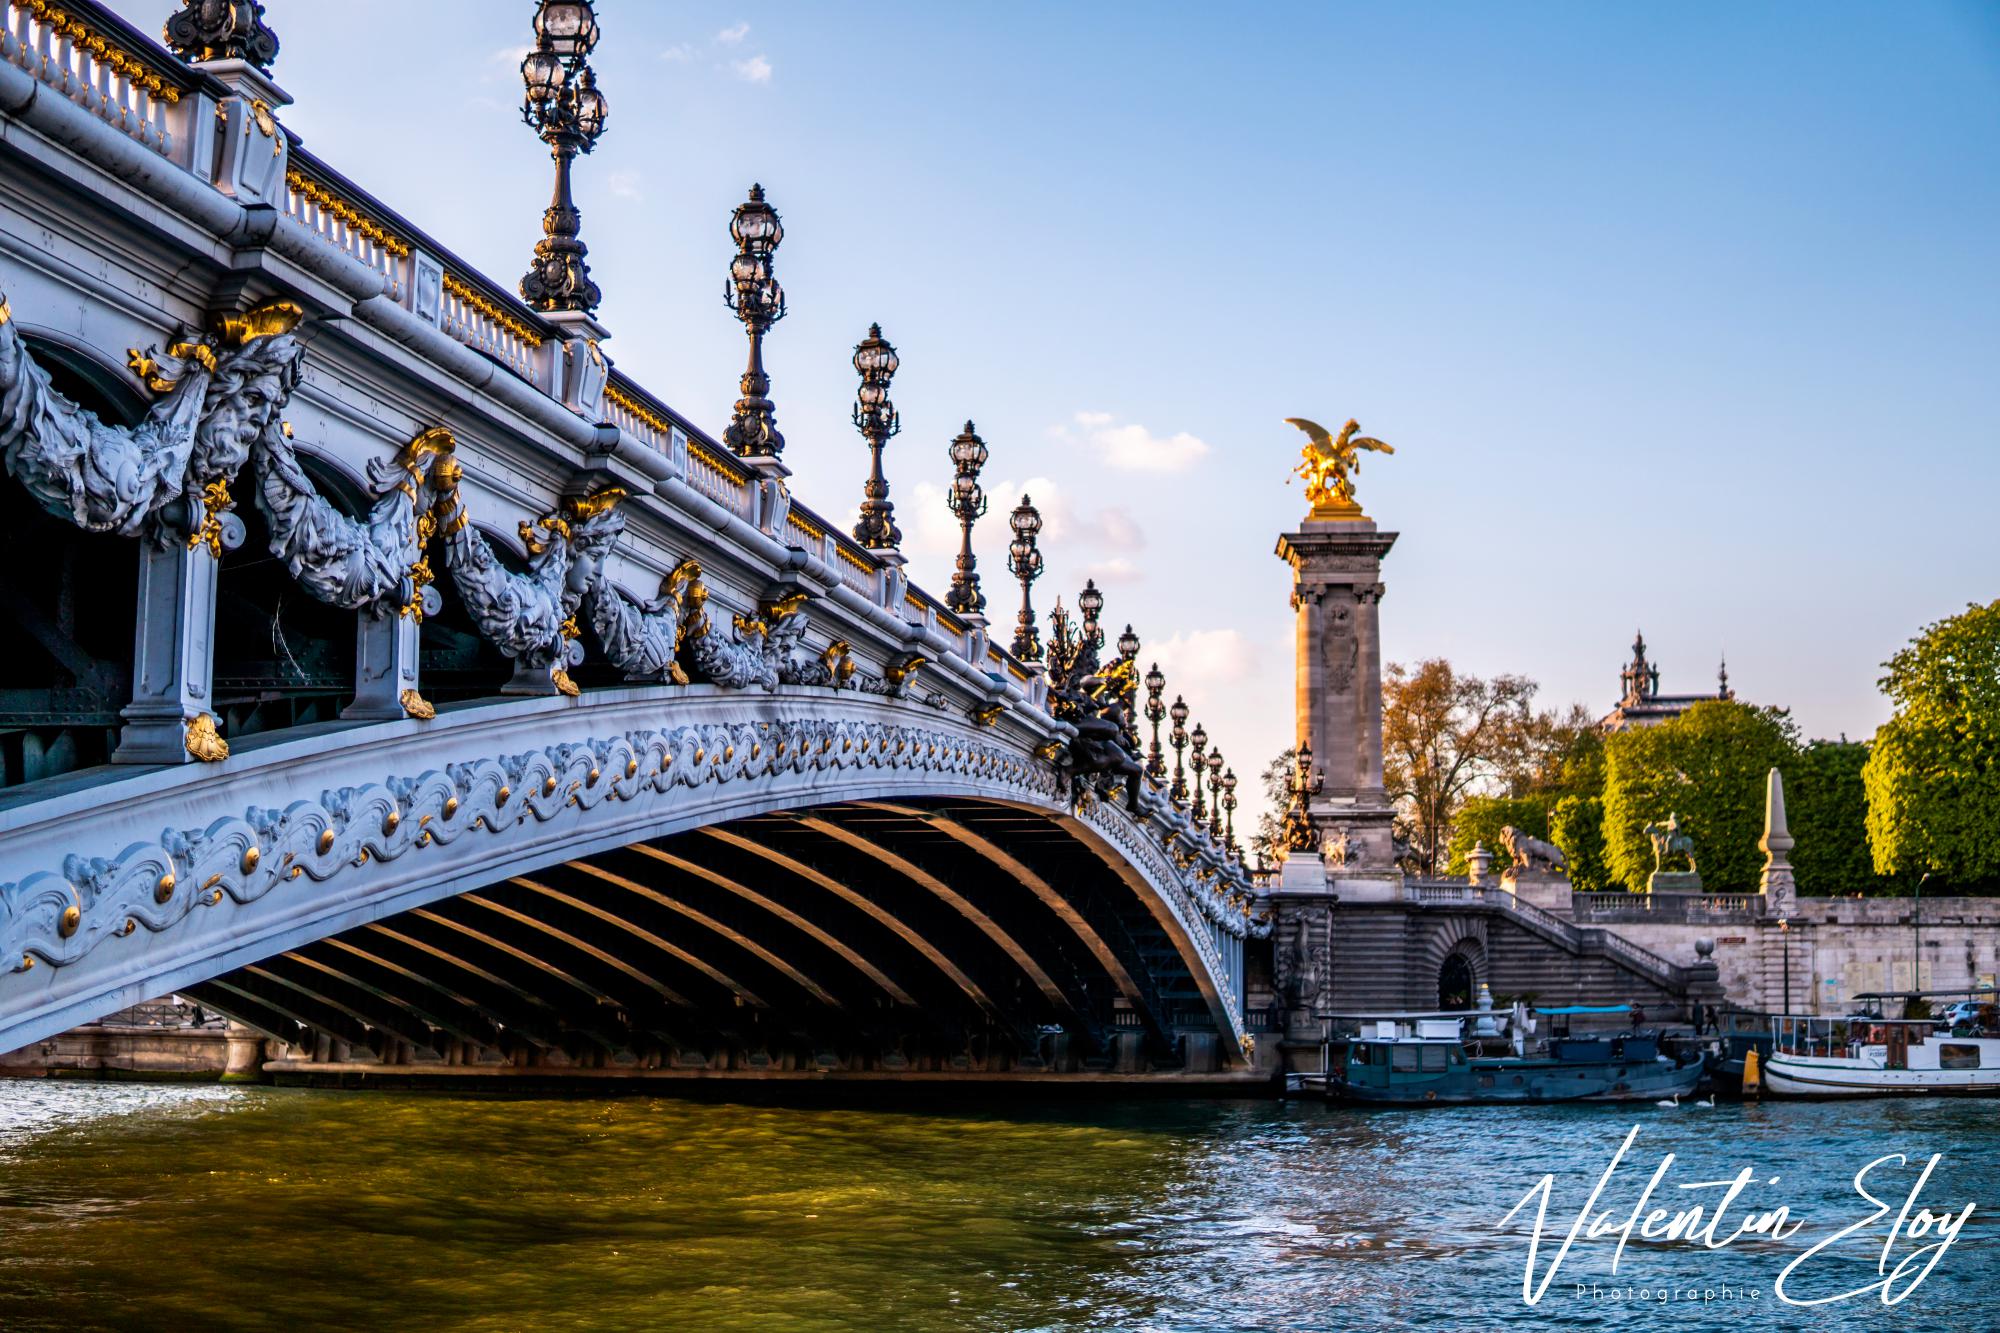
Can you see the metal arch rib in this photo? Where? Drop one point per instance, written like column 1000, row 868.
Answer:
column 750, row 895
column 401, row 1029
column 533, row 1000
column 916, row 874
column 707, row 969
column 702, row 919
column 665, row 992
column 1040, row 887
column 422, row 1013
column 902, row 929
column 464, row 1002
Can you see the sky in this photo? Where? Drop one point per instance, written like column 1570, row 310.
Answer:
column 1680, row 318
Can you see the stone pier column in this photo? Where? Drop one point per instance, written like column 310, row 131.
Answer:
column 1336, row 591
column 385, row 664
column 173, row 662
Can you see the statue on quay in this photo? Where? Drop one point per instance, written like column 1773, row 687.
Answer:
column 1329, row 464
column 1668, row 841
column 1528, row 852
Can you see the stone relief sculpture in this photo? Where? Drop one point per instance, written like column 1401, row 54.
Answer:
column 529, row 617
column 221, row 393
column 377, row 562
column 1528, row 853
column 642, row 638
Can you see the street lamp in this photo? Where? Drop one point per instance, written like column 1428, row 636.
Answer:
column 753, row 292
column 1090, row 601
column 561, row 104
column 1025, row 561
column 967, row 502
column 1197, row 743
column 1215, row 792
column 1229, row 804
column 1178, row 738
column 877, row 420
column 1156, row 711
column 1917, row 937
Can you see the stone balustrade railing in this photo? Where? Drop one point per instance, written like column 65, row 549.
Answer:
column 98, row 61
column 1664, row 906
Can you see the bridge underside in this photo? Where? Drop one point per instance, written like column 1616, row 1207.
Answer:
column 908, row 939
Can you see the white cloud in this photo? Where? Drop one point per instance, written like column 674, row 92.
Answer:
column 511, row 56
column 1120, row 530
column 1205, row 658
column 625, row 184
column 754, row 70
column 1130, row 447
column 732, row 35
column 679, row 53
column 1113, row 571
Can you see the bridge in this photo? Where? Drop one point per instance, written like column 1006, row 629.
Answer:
column 396, row 675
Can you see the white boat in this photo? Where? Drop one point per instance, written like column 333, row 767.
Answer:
column 1867, row 1056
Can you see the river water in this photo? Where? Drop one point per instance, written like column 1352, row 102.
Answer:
column 125, row 1206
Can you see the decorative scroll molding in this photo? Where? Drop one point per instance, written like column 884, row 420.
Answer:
column 58, row 917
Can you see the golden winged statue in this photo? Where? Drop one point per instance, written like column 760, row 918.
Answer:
column 1329, row 464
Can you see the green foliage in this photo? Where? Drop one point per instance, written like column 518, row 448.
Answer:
column 1933, row 773
column 1481, row 818
column 1708, row 766
column 1576, row 824
column 1826, row 804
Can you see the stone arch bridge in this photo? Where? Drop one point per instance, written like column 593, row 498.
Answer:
column 398, row 676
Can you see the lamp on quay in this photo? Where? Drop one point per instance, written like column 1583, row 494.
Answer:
column 752, row 291
column 561, row 103
column 1025, row 561
column 875, row 417
column 967, row 503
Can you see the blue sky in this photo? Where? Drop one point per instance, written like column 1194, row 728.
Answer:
column 1684, row 317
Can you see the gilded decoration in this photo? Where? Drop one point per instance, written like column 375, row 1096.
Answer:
column 1329, row 464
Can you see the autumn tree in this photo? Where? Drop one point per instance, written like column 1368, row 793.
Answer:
column 1933, row 772
column 1276, row 779
column 1444, row 736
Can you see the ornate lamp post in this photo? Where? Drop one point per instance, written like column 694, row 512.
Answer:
column 1156, row 711
column 1197, row 743
column 1091, row 602
column 875, row 417
column 1785, row 941
column 562, row 104
column 752, row 291
column 1215, row 792
column 1128, row 645
column 967, row 502
column 1025, row 562
column 1300, row 829
column 1178, row 738
column 1229, row 805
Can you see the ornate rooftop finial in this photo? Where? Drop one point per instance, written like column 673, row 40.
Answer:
column 1722, row 681
column 1640, row 679
column 222, row 30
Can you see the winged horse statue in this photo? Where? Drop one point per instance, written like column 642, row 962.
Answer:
column 1330, row 463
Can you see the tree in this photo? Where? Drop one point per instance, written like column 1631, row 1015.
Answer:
column 1576, row 825
column 1480, row 820
column 1444, row 734
column 1277, row 779
column 1933, row 773
column 1707, row 766
column 1826, row 802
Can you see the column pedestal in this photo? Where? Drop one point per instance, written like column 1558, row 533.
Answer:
column 385, row 665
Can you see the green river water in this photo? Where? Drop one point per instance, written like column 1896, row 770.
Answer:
column 225, row 1208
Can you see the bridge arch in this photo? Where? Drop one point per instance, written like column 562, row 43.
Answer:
column 695, row 879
